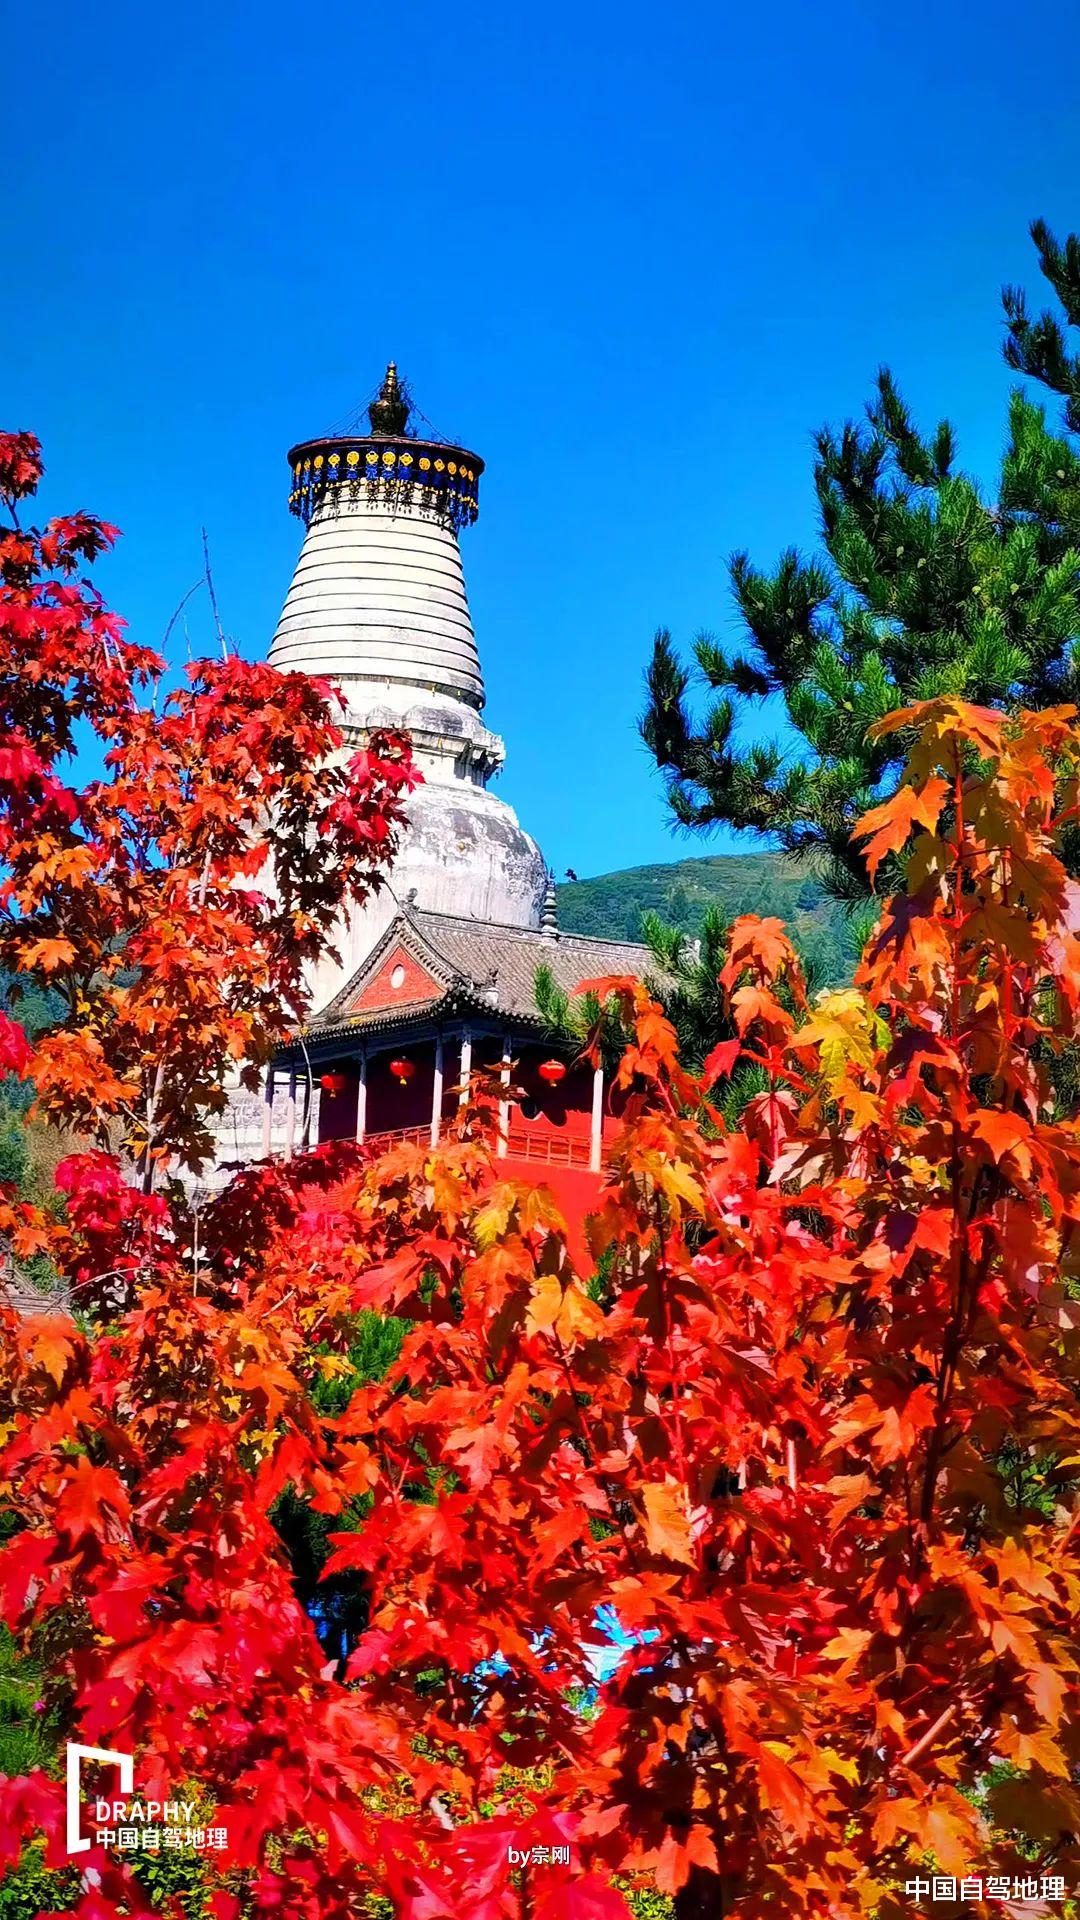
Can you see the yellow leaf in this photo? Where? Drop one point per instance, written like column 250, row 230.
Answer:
column 678, row 1183
column 851, row 1490
column 492, row 1219
column 545, row 1304
column 332, row 1366
column 579, row 1315
column 847, row 1644
column 667, row 1521
column 836, row 1763
column 537, row 1207
column 843, row 1027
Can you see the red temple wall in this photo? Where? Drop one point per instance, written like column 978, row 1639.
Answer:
column 563, row 1119
column 380, row 993
column 561, row 1112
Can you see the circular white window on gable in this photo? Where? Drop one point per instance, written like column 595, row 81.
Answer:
column 397, row 977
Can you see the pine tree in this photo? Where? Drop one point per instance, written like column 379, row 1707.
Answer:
column 687, row 981
column 925, row 587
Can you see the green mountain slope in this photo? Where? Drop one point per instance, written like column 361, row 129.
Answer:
column 612, row 904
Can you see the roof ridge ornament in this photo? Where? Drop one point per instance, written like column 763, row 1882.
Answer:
column 389, row 412
column 549, row 912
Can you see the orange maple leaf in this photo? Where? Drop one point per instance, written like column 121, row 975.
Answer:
column 888, row 827
column 47, row 1342
column 46, row 954
column 667, row 1521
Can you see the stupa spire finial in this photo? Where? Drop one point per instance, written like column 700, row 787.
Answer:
column 389, row 414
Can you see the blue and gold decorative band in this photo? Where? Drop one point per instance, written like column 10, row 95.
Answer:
column 442, row 480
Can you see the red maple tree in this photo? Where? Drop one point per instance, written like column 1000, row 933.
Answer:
column 806, row 1429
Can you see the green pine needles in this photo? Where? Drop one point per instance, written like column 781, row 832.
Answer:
column 925, row 587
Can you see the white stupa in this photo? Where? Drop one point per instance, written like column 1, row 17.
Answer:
column 378, row 605
column 439, row 967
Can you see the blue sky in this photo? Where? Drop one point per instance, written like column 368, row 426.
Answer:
column 632, row 255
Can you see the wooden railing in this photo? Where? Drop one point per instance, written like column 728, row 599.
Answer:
column 546, row 1149
column 398, row 1137
column 551, row 1149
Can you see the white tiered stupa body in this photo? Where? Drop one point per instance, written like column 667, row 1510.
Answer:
column 378, row 605
column 378, row 601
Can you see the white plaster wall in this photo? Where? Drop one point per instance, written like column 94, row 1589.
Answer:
column 463, row 852
column 240, row 1132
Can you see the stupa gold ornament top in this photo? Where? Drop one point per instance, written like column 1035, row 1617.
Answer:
column 387, row 466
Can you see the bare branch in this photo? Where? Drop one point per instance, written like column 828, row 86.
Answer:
column 213, row 596
column 178, row 610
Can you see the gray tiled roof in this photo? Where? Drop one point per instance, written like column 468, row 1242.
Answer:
column 477, row 949
column 480, row 963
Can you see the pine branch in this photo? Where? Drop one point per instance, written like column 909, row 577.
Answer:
column 925, row 587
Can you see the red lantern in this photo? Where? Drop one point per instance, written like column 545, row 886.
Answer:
column 402, row 1071
column 552, row 1071
column 332, row 1082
